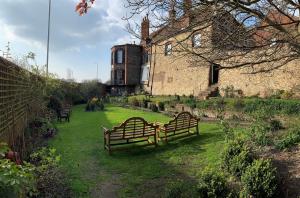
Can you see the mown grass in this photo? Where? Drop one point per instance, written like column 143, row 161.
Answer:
column 138, row 170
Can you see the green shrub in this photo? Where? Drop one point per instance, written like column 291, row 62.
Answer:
column 177, row 97
column 227, row 130
column 236, row 157
column 292, row 138
column 145, row 103
column 134, row 102
column 54, row 104
column 238, row 104
column 161, row 106
column 100, row 105
column 94, row 104
column 153, row 107
column 259, row 133
column 259, row 179
column 212, row 183
column 275, row 125
column 16, row 180
column 51, row 180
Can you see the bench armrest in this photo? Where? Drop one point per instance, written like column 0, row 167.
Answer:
column 105, row 130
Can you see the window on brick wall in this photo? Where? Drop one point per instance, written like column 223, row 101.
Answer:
column 120, row 56
column 168, row 49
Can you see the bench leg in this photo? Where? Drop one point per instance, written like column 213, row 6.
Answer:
column 155, row 140
column 197, row 130
column 108, row 146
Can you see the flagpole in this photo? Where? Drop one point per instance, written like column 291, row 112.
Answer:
column 48, row 38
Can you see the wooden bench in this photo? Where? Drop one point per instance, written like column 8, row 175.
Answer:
column 63, row 115
column 181, row 124
column 133, row 130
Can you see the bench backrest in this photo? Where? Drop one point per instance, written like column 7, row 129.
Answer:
column 134, row 127
column 183, row 120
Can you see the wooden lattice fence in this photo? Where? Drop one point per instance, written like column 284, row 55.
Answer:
column 14, row 100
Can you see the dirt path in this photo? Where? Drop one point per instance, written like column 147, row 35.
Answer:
column 288, row 164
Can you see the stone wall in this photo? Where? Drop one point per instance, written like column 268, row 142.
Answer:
column 176, row 74
column 262, row 84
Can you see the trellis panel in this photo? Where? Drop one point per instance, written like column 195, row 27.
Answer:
column 14, row 99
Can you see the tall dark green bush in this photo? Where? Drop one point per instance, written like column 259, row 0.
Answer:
column 153, row 107
column 161, row 106
column 54, row 104
column 213, row 183
column 260, row 179
column 236, row 157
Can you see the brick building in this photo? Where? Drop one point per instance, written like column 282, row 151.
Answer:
column 126, row 61
column 163, row 71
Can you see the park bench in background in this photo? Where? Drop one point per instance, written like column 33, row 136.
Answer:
column 180, row 126
column 133, row 130
column 61, row 114
column 64, row 113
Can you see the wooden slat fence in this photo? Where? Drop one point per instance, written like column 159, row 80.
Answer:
column 14, row 100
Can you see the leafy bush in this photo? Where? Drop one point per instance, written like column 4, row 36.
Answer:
column 161, row 106
column 236, row 157
column 290, row 139
column 259, row 179
column 134, row 102
column 227, row 130
column 213, row 184
column 94, row 104
column 54, row 104
column 153, row 107
column 51, row 180
column 45, row 157
column 16, row 180
column 275, row 125
column 177, row 97
column 145, row 103
column 259, row 133
column 275, row 106
column 238, row 104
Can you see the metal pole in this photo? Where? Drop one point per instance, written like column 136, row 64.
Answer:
column 48, row 38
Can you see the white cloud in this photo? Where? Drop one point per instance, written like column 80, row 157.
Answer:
column 74, row 41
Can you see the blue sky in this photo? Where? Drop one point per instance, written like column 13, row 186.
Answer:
column 77, row 43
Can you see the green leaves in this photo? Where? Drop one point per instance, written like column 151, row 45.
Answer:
column 18, row 179
column 260, row 179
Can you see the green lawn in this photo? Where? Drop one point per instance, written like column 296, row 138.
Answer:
column 135, row 172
